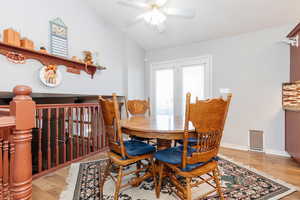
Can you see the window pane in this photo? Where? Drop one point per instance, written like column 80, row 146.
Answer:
column 193, row 82
column 164, row 92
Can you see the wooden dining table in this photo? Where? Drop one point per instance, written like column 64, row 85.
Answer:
column 164, row 128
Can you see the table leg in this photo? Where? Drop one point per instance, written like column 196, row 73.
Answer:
column 163, row 144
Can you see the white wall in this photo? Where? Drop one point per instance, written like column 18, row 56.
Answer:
column 135, row 70
column 87, row 31
column 254, row 66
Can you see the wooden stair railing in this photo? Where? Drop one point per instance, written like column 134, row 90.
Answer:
column 66, row 133
column 61, row 133
column 16, row 125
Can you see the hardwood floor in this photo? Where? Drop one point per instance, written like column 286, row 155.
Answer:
column 279, row 167
column 49, row 187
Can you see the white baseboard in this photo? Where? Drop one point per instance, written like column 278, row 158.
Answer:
column 234, row 146
column 277, row 152
column 246, row 148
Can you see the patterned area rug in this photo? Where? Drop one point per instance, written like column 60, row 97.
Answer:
column 238, row 182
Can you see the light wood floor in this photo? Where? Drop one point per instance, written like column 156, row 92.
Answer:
column 49, row 187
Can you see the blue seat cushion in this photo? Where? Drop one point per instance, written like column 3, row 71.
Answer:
column 192, row 141
column 138, row 148
column 174, row 156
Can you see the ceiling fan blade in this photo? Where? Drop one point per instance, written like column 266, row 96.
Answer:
column 187, row 13
column 161, row 3
column 133, row 4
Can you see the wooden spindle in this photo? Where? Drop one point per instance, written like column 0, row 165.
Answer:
column 12, row 161
column 1, row 166
column 93, row 127
column 98, row 128
column 82, row 131
column 5, row 169
column 70, row 130
column 23, row 108
column 40, row 128
column 101, row 128
column 77, row 133
column 64, row 136
column 88, row 130
column 49, row 138
column 99, row 122
column 56, row 137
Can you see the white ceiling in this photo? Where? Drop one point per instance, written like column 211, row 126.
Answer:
column 214, row 19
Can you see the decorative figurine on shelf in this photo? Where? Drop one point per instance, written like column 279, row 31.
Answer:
column 43, row 49
column 88, row 58
column 50, row 76
column 12, row 37
column 27, row 43
column 75, row 58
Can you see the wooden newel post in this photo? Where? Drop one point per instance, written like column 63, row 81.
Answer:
column 23, row 108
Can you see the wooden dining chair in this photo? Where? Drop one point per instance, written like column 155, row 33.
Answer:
column 189, row 161
column 138, row 107
column 124, row 153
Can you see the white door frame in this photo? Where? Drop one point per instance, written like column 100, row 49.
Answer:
column 177, row 65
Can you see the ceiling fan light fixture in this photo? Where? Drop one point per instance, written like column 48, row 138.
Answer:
column 155, row 17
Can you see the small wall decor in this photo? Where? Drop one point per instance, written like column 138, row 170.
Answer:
column 50, row 76
column 291, row 96
column 58, row 38
column 15, row 58
column 10, row 36
column 27, row 43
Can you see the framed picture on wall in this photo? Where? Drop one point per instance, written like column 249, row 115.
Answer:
column 58, row 38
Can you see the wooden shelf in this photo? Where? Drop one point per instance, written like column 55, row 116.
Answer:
column 48, row 59
column 292, row 108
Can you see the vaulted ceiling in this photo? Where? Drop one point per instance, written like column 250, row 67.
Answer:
column 214, row 19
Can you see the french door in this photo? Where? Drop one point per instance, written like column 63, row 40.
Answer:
column 170, row 81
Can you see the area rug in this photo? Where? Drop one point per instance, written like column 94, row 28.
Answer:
column 238, row 182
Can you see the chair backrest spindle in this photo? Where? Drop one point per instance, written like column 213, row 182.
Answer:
column 208, row 117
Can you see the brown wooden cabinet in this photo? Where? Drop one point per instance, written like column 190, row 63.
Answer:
column 292, row 118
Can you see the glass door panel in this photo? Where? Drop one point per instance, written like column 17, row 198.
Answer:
column 164, row 92
column 193, row 82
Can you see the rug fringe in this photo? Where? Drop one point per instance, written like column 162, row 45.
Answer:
column 291, row 187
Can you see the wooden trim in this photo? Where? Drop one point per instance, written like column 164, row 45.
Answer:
column 294, row 31
column 4, row 112
column 48, row 59
column 68, row 105
column 7, row 121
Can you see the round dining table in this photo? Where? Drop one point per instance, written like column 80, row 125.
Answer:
column 164, row 128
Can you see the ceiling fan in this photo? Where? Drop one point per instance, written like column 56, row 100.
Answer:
column 156, row 12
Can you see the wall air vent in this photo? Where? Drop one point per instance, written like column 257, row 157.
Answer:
column 256, row 139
